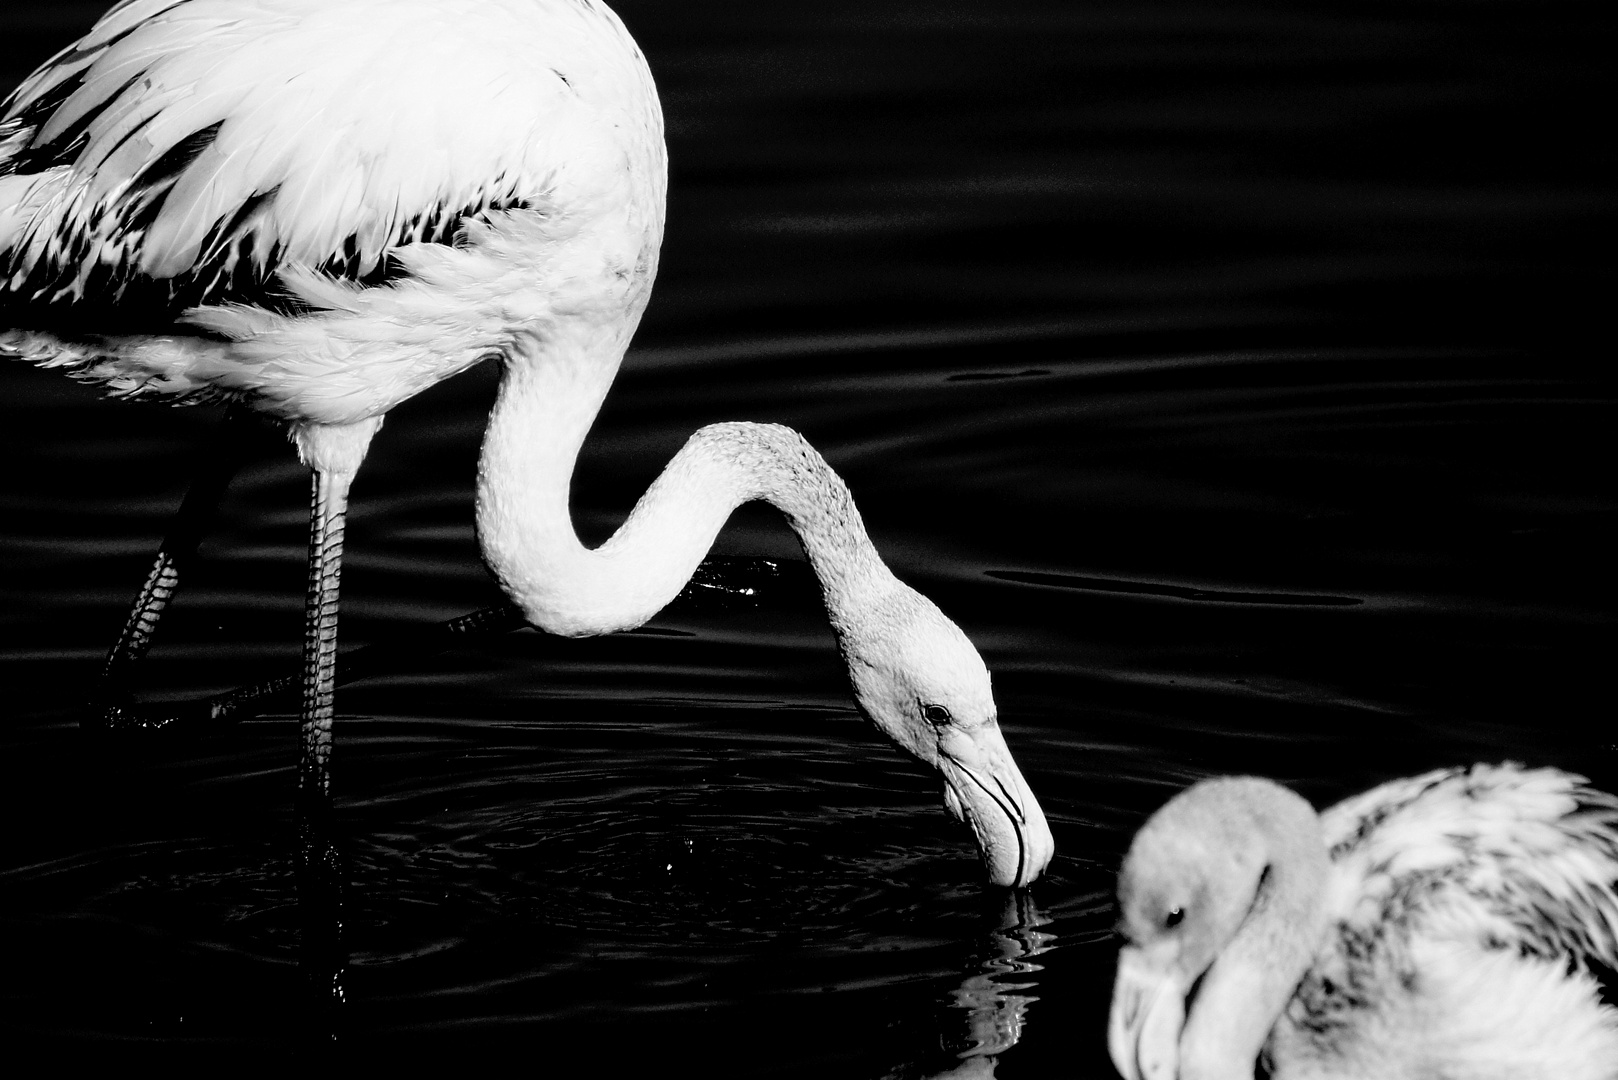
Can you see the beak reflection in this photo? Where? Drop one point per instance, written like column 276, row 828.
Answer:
column 997, row 996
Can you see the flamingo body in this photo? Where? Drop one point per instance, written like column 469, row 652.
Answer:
column 318, row 208
column 335, row 204
column 1460, row 900
column 1448, row 928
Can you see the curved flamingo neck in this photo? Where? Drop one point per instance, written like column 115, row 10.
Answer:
column 546, row 404
column 1246, row 989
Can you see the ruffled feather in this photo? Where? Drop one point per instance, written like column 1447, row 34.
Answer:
column 202, row 144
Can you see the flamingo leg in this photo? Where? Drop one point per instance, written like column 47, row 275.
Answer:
column 321, row 872
column 328, row 507
column 113, row 705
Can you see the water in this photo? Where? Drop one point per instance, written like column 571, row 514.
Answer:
column 1237, row 376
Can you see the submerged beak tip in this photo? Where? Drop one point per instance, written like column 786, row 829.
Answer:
column 991, row 796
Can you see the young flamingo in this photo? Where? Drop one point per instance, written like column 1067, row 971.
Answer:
column 1440, row 926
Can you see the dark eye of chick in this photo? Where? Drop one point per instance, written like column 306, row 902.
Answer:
column 935, row 714
column 1175, row 917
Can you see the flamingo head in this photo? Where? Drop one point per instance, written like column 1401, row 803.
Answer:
column 1196, row 873
column 1176, row 911
column 917, row 677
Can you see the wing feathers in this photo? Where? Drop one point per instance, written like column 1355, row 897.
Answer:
column 122, row 18
column 183, row 140
column 1511, row 857
column 204, row 195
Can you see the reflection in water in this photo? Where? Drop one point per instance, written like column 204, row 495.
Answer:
column 997, row 1008
column 323, row 956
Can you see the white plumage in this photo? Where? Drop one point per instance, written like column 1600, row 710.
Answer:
column 252, row 169
column 1440, row 926
column 318, row 208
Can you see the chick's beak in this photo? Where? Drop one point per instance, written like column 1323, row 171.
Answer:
column 984, row 788
column 1148, row 1013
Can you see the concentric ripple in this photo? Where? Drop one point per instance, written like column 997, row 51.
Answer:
column 646, row 864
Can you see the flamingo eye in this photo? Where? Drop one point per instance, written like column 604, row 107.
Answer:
column 935, row 714
column 1175, row 917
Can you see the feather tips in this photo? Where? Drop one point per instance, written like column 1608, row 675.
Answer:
column 323, row 206
column 1470, row 907
column 1510, row 858
column 325, row 135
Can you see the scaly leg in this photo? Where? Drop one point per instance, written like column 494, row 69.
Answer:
column 334, row 454
column 112, row 707
column 320, row 871
column 328, row 505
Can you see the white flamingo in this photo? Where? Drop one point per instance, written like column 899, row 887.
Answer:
column 318, row 208
column 1438, row 926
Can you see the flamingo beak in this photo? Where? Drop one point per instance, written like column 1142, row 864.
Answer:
column 1148, row 1013
column 984, row 788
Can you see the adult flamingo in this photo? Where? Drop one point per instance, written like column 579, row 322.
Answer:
column 317, row 208
column 1443, row 925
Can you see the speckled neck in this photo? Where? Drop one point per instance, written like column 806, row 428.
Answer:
column 545, row 407
column 1247, row 987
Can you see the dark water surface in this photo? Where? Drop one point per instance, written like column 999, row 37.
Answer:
column 1237, row 375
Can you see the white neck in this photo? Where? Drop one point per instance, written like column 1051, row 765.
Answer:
column 1248, row 986
column 547, row 402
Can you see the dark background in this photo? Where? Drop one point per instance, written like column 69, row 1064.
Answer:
column 1237, row 375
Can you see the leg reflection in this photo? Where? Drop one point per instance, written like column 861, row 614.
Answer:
column 996, row 998
column 323, row 957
